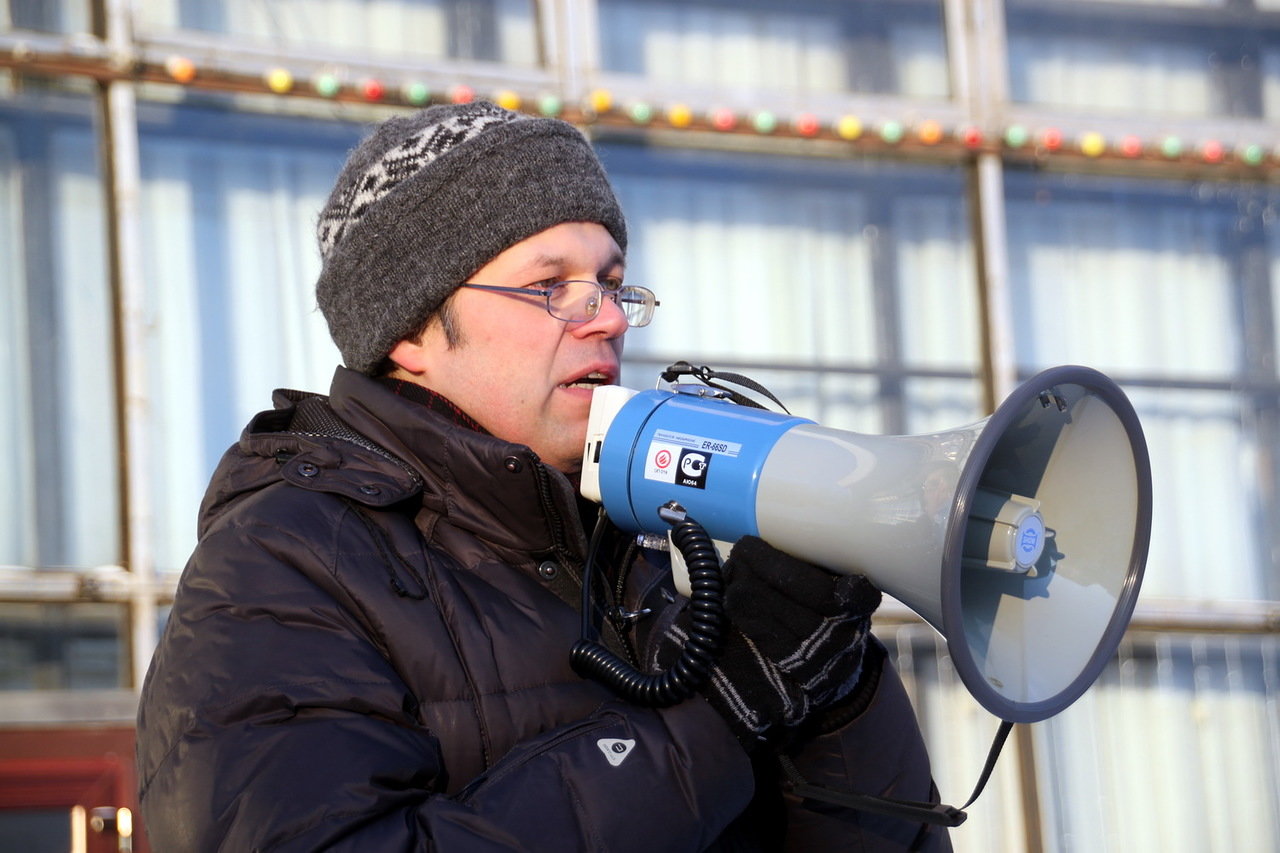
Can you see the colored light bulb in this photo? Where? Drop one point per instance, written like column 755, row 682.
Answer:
column 550, row 105
column 416, row 93
column 723, row 119
column 180, row 68
column 891, row 132
column 929, row 132
column 326, row 85
column 849, row 127
column 279, row 80
column 807, row 124
column 601, row 100
column 1093, row 144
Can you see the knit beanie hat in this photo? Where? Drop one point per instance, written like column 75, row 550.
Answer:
column 430, row 198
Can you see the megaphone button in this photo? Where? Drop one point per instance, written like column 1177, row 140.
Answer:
column 1030, row 540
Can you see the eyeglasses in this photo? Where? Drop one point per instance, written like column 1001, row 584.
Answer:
column 579, row 301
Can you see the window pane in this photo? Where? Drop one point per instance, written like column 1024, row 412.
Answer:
column 1169, row 283
column 494, row 30
column 1133, row 276
column 851, row 274
column 229, row 210
column 810, row 46
column 62, row 646
column 1174, row 746
column 1143, row 57
column 59, row 502
column 49, row 16
column 958, row 733
column 858, row 268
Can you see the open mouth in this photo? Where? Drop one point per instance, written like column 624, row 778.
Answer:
column 591, row 381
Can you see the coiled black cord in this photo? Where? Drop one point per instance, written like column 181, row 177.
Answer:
column 692, row 668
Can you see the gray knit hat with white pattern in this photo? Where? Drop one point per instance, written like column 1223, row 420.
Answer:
column 430, row 198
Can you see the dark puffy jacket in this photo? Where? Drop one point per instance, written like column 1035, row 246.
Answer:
column 369, row 651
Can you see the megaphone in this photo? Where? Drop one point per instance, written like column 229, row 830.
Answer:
column 1022, row 539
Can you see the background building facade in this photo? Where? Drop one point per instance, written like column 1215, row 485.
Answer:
column 890, row 212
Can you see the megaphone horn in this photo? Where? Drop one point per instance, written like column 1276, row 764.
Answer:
column 1022, row 538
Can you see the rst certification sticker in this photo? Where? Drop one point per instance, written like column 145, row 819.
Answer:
column 685, row 459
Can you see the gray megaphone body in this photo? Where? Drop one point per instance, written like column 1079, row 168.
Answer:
column 1022, row 538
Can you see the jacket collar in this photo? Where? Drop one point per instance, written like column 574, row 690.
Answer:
column 496, row 490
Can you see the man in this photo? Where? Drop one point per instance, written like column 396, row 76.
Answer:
column 369, row 649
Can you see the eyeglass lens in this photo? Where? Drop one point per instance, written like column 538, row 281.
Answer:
column 580, row 300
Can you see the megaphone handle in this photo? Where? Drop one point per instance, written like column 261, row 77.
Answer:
column 938, row 814
column 692, row 669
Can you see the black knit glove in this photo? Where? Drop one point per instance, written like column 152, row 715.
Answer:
column 794, row 644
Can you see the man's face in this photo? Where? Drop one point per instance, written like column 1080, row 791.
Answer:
column 524, row 375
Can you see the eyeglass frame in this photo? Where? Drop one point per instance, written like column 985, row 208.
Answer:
column 650, row 301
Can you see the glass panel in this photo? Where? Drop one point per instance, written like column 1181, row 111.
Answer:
column 229, row 209
column 1174, row 749
column 1208, row 475
column 60, row 501
column 49, row 16
column 807, row 46
column 851, row 274
column 1141, row 277
column 63, row 646
column 36, row 830
column 1142, row 57
column 494, row 30
column 958, row 733
column 1171, row 282
column 793, row 262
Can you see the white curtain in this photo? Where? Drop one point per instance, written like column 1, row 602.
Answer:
column 1111, row 74
column 755, row 267
column 89, row 496
column 1173, row 750
column 759, row 46
column 399, row 27
column 230, row 280
column 1142, row 288
column 64, row 16
column 18, row 535
column 67, row 514
column 959, row 732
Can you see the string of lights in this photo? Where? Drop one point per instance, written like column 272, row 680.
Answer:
column 603, row 107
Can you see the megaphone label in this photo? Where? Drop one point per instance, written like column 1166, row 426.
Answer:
column 671, row 463
column 683, row 459
column 697, row 442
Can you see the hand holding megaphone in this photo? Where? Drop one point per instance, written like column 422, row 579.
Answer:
column 794, row 645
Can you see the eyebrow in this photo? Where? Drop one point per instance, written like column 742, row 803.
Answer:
column 542, row 261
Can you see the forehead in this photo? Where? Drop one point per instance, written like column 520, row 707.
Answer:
column 585, row 246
